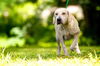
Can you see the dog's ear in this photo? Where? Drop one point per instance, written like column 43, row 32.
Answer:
column 69, row 19
column 53, row 12
column 68, row 16
column 54, row 17
column 67, row 13
column 53, row 20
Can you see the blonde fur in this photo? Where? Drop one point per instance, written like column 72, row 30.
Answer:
column 68, row 26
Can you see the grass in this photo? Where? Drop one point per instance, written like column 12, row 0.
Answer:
column 46, row 56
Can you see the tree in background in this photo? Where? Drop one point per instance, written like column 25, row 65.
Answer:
column 21, row 21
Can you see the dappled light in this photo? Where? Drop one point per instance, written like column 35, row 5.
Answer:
column 6, row 13
column 27, row 33
column 26, row 11
column 45, row 14
column 31, row 22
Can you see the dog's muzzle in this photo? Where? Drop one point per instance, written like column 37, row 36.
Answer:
column 59, row 21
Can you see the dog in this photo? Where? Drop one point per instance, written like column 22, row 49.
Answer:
column 66, row 25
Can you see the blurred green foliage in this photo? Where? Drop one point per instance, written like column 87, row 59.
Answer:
column 21, row 23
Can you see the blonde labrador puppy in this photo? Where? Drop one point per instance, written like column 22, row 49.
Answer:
column 66, row 25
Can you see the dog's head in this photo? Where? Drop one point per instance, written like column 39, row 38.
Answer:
column 60, row 16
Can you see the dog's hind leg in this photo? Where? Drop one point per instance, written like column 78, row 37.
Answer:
column 74, row 45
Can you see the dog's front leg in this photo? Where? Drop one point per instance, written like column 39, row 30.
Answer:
column 59, row 48
column 58, row 42
column 74, row 45
column 64, row 47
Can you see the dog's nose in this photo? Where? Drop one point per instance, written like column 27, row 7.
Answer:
column 59, row 20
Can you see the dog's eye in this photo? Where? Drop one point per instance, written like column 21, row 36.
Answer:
column 56, row 14
column 63, row 13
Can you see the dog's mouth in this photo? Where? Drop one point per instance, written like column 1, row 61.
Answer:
column 59, row 21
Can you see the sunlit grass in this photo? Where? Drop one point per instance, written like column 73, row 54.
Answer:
column 43, row 56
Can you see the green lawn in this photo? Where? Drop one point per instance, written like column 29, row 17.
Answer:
column 46, row 56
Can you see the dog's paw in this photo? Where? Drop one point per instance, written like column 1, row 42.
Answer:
column 78, row 51
column 72, row 49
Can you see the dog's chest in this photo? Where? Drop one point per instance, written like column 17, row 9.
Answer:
column 60, row 30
